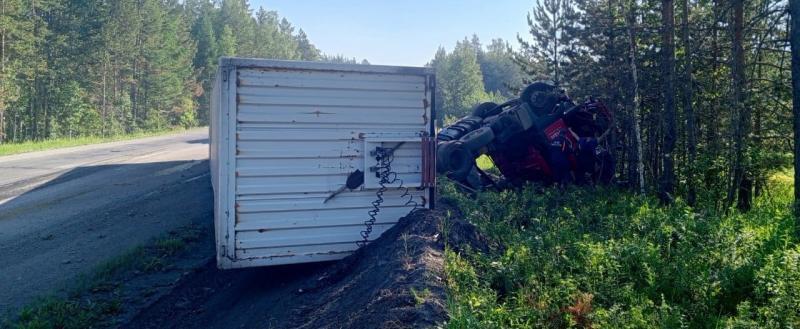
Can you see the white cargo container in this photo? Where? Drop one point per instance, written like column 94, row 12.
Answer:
column 285, row 135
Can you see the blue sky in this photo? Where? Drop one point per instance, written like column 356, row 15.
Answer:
column 400, row 32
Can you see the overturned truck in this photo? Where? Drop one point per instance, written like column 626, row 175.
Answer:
column 542, row 136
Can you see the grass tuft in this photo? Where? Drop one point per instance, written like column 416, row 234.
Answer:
column 66, row 314
column 420, row 297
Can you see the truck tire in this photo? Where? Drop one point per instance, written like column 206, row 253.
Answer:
column 454, row 159
column 540, row 97
column 443, row 156
column 477, row 139
column 538, row 86
column 458, row 129
column 485, row 110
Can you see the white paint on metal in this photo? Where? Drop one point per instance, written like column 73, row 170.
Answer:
column 286, row 134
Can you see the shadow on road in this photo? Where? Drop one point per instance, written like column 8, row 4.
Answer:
column 70, row 224
column 198, row 141
column 81, row 219
column 81, row 180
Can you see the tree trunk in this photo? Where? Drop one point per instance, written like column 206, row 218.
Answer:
column 668, row 74
column 613, row 87
column 758, row 175
column 711, row 112
column 3, row 74
column 688, row 83
column 15, row 128
column 116, row 93
column 711, row 122
column 32, row 115
column 103, row 105
column 134, row 96
column 556, row 64
column 46, row 107
column 2, row 125
column 2, row 40
column 741, row 183
column 636, row 167
column 794, row 8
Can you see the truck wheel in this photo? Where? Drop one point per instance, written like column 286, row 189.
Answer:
column 540, row 105
column 538, row 86
column 443, row 156
column 477, row 139
column 485, row 110
column 454, row 159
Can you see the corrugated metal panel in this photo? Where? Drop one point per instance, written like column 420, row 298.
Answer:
column 299, row 129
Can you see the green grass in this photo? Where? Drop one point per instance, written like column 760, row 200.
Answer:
column 484, row 162
column 32, row 146
column 93, row 300
column 580, row 258
column 60, row 313
column 420, row 297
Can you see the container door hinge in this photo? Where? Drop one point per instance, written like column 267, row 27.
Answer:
column 226, row 71
column 428, row 162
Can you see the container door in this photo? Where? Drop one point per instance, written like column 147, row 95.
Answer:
column 300, row 135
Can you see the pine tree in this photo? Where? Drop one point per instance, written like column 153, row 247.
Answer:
column 635, row 153
column 306, row 50
column 274, row 37
column 205, row 58
column 500, row 73
column 667, row 188
column 227, row 42
column 794, row 7
column 70, row 68
column 237, row 15
column 169, row 56
column 740, row 182
column 207, row 48
column 16, row 44
column 688, row 107
column 460, row 80
column 548, row 26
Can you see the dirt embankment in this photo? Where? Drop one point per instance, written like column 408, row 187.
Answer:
column 395, row 282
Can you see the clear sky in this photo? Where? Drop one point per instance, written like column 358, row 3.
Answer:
column 401, row 32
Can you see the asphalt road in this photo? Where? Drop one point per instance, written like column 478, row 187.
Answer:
column 64, row 212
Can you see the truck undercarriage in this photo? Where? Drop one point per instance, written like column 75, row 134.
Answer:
column 542, row 136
